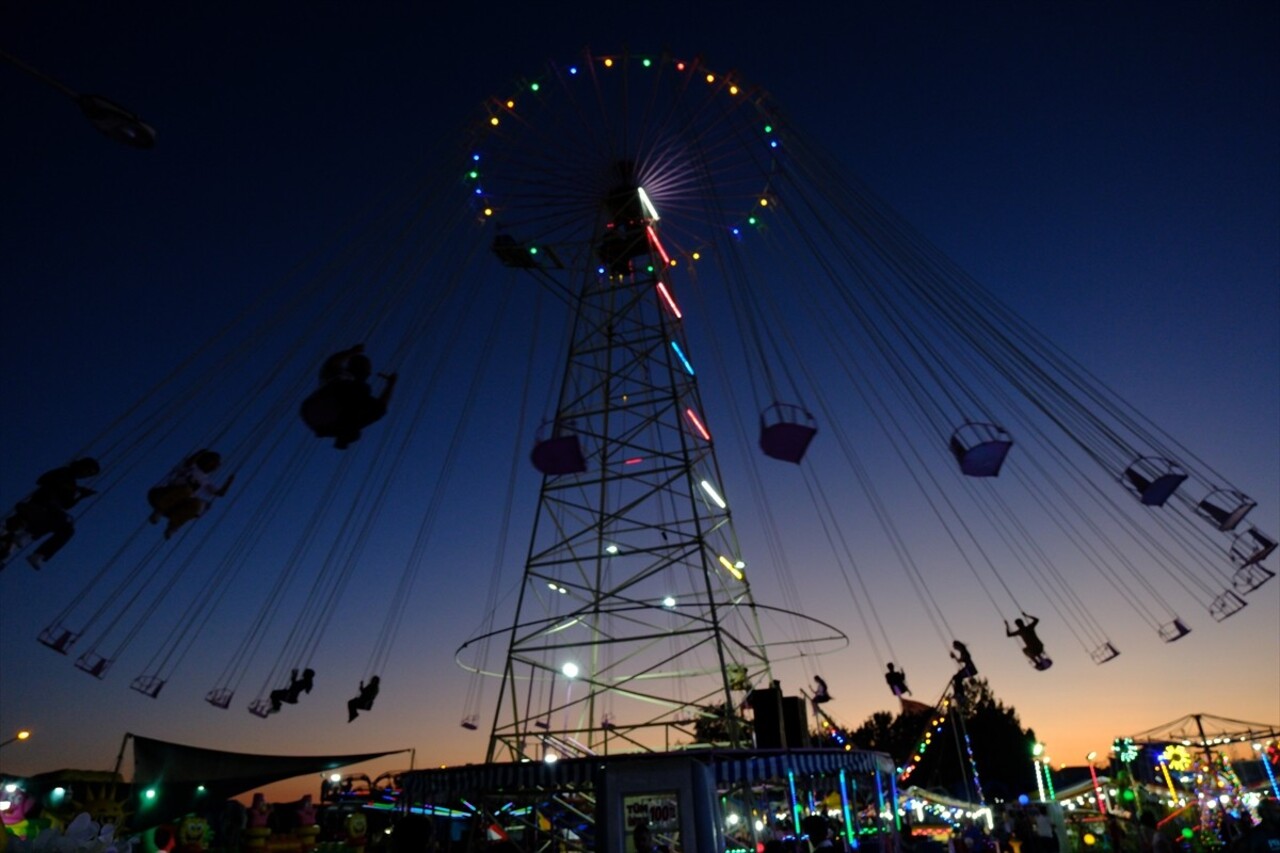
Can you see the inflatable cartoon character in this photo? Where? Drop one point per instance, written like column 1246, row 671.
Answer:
column 192, row 834
column 356, row 827
column 255, row 835
column 307, row 832
column 16, row 808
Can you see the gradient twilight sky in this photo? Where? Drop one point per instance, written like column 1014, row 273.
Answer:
column 1111, row 170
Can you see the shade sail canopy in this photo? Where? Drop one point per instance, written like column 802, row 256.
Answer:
column 226, row 774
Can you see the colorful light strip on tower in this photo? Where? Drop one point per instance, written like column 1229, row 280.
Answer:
column 697, row 424
column 657, row 244
column 680, row 354
column 671, row 303
column 649, row 209
column 730, row 567
column 713, row 494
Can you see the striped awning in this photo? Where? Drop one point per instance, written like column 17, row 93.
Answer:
column 729, row 766
column 764, row 767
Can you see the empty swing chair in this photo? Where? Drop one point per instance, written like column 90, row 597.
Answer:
column 1153, row 479
column 1174, row 630
column 94, row 664
column 512, row 253
column 58, row 638
column 1225, row 508
column 1248, row 550
column 1104, row 652
column 1250, row 547
column 1225, row 605
column 148, row 685
column 559, row 453
column 471, row 722
column 524, row 256
column 220, row 697
column 785, row 432
column 1248, row 578
column 980, row 448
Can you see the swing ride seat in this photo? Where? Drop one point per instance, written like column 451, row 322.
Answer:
column 58, row 638
column 340, row 406
column 513, row 254
column 260, row 708
column 980, row 448
column 115, row 122
column 1153, row 479
column 1251, row 546
column 1104, row 653
column 1225, row 508
column 1249, row 577
column 470, row 724
column 785, row 432
column 1041, row 662
column 148, row 685
column 1174, row 630
column 1226, row 604
column 559, row 455
column 219, row 697
column 94, row 664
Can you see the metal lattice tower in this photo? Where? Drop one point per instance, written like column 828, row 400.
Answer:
column 635, row 614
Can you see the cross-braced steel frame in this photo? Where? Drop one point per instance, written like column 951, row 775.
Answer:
column 635, row 615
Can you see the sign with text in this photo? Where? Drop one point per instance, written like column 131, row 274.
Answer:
column 658, row 814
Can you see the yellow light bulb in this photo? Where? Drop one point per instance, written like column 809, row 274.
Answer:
column 511, row 105
column 764, row 202
column 488, row 211
column 494, row 121
column 608, row 63
column 733, row 90
column 711, row 78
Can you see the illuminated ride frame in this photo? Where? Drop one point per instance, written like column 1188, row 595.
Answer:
column 635, row 625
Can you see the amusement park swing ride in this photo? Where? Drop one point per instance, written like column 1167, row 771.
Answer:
column 711, row 284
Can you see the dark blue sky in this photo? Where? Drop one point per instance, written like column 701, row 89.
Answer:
column 1109, row 170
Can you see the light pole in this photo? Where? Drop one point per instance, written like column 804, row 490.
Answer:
column 111, row 119
column 22, row 734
